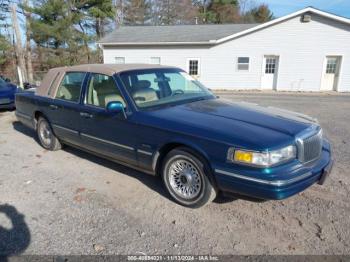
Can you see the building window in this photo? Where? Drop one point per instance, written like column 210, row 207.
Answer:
column 155, row 60
column 243, row 63
column 120, row 60
column 331, row 66
column 270, row 66
column 193, row 67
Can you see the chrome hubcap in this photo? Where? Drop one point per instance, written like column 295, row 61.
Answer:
column 45, row 133
column 185, row 179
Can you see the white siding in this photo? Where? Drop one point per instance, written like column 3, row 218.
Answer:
column 302, row 48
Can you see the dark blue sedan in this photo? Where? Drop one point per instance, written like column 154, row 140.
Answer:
column 7, row 94
column 162, row 121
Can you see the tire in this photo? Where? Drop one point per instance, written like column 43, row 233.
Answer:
column 46, row 137
column 186, row 178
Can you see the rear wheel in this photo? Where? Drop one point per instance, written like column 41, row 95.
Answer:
column 184, row 176
column 47, row 138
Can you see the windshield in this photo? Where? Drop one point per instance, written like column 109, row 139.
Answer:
column 160, row 87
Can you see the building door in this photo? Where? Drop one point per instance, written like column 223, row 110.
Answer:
column 330, row 74
column 270, row 72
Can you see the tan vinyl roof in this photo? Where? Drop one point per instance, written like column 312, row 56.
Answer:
column 49, row 85
column 108, row 69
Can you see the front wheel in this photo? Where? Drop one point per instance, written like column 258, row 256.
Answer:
column 185, row 179
column 47, row 138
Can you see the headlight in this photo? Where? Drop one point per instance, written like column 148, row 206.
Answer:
column 262, row 159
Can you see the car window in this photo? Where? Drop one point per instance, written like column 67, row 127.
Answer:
column 155, row 87
column 70, row 86
column 102, row 90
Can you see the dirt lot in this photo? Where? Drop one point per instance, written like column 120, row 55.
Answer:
column 75, row 203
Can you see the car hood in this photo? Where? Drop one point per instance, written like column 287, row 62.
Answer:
column 237, row 123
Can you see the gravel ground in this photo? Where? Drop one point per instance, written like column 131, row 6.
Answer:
column 69, row 202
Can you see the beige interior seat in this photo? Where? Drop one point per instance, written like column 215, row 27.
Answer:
column 69, row 92
column 106, row 92
column 143, row 93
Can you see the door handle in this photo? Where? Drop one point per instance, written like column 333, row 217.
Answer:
column 53, row 107
column 86, row 115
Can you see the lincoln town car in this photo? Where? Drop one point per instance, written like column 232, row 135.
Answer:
column 161, row 121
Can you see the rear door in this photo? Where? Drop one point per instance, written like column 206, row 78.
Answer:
column 64, row 109
column 110, row 135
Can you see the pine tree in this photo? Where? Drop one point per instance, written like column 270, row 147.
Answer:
column 53, row 27
column 97, row 15
column 223, row 11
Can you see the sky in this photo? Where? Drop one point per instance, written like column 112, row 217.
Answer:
column 284, row 7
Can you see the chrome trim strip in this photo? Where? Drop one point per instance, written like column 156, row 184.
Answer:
column 144, row 152
column 28, row 117
column 266, row 182
column 66, row 129
column 107, row 142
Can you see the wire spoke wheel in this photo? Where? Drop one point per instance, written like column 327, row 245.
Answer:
column 185, row 179
column 45, row 133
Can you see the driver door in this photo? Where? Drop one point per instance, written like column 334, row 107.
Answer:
column 109, row 135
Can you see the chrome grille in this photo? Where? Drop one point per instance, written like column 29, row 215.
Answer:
column 310, row 147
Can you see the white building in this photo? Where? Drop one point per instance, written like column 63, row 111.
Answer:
column 308, row 50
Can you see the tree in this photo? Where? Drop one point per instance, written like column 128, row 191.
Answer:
column 93, row 18
column 54, row 27
column 4, row 48
column 172, row 12
column 219, row 11
column 259, row 14
column 136, row 12
column 96, row 15
column 4, row 42
column 233, row 11
column 223, row 11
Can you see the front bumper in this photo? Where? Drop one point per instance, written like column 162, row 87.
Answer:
column 278, row 183
column 7, row 103
column 8, row 106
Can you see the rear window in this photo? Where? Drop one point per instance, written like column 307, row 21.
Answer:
column 52, row 84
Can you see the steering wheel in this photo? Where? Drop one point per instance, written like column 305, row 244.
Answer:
column 177, row 92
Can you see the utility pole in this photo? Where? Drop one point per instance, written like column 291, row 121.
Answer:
column 28, row 55
column 21, row 67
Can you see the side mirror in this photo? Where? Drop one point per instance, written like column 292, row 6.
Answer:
column 115, row 107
